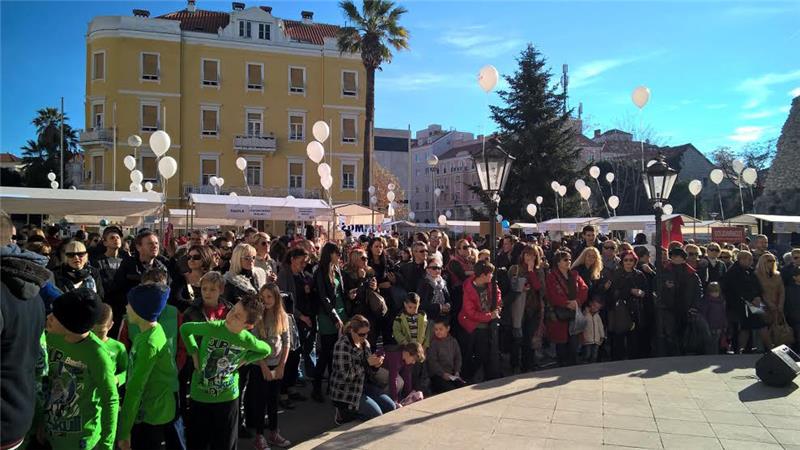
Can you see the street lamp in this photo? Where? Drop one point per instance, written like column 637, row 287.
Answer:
column 659, row 178
column 493, row 170
column 433, row 161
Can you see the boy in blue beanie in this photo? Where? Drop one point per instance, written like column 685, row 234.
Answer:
column 149, row 406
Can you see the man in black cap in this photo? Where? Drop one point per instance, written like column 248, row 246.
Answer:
column 681, row 290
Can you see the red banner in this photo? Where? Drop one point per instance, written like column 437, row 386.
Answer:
column 730, row 235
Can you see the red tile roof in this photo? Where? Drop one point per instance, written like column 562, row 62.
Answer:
column 210, row 21
column 9, row 158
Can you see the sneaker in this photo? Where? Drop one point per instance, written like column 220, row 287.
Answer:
column 261, row 443
column 277, row 440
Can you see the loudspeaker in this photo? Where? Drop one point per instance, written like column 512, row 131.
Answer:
column 778, row 367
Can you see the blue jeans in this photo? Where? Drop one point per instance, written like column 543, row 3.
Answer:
column 374, row 403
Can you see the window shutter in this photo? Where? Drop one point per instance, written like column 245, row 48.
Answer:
column 297, row 78
column 254, row 75
column 149, row 168
column 349, row 129
column 150, row 116
column 209, row 167
column 209, row 120
column 296, row 169
column 97, row 169
column 99, row 66
column 349, row 82
column 150, row 65
column 210, row 71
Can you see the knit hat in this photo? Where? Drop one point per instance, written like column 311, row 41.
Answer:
column 677, row 251
column 77, row 310
column 148, row 300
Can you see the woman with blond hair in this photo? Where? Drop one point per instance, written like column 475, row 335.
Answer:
column 243, row 276
column 75, row 271
column 773, row 292
column 589, row 265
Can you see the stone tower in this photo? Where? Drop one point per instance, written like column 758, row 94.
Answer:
column 782, row 191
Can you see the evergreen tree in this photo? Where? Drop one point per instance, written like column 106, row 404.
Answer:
column 534, row 128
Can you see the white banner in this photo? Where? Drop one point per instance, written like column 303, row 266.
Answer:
column 528, row 230
column 649, row 228
column 260, row 212
column 304, row 213
column 238, row 212
column 604, row 228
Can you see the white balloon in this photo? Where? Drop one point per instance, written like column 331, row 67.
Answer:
column 148, row 186
column 499, row 217
column 487, row 77
column 437, row 192
column 749, row 175
column 241, row 163
column 134, row 140
column 449, row 214
column 168, row 167
column 695, row 186
column 610, row 177
column 323, row 170
column 73, row 188
column 390, row 196
column 667, row 209
column 562, row 190
column 594, row 171
column 132, row 187
column 54, row 184
column 579, row 184
column 51, row 176
column 290, row 197
column 442, row 220
column 390, row 210
column 738, row 165
column 412, row 215
column 129, row 162
column 531, row 209
column 371, row 190
column 136, row 176
column 213, row 181
column 373, row 200
column 651, row 162
column 327, row 182
column 554, row 185
column 586, row 192
column 539, row 199
column 613, row 202
column 233, row 194
column 640, row 96
column 315, row 151
column 160, row 142
column 220, row 181
column 391, row 186
column 321, row 131
column 716, row 176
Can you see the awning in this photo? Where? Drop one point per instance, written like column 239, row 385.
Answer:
column 527, row 228
column 568, row 224
column 131, row 221
column 781, row 224
column 209, row 206
column 621, row 223
column 177, row 217
column 75, row 202
column 355, row 214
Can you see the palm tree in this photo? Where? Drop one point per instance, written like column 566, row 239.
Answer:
column 43, row 154
column 374, row 32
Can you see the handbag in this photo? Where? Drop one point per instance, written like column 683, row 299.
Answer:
column 781, row 333
column 619, row 318
column 376, row 303
column 578, row 325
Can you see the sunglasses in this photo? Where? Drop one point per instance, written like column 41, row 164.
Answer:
column 74, row 254
column 609, row 248
column 195, row 257
column 364, row 258
column 434, row 268
column 422, row 251
column 713, row 250
column 466, row 247
column 693, row 254
column 263, row 243
column 248, row 258
column 363, row 335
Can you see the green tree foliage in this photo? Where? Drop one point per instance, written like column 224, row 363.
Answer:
column 42, row 155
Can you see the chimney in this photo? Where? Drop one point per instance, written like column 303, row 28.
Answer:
column 141, row 13
column 190, row 6
column 596, row 134
column 308, row 16
column 267, row 9
column 237, row 6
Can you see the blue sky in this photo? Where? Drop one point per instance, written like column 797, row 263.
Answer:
column 720, row 73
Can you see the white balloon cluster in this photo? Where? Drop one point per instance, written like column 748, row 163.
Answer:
column 316, row 152
column 160, row 143
column 52, row 178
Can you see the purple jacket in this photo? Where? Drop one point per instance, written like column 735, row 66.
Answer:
column 713, row 309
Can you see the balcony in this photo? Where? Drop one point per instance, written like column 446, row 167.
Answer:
column 256, row 191
column 255, row 143
column 97, row 136
column 87, row 185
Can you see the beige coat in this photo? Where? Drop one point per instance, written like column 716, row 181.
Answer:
column 594, row 332
column 772, row 293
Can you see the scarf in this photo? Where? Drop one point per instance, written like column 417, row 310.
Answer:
column 572, row 287
column 438, row 289
column 75, row 275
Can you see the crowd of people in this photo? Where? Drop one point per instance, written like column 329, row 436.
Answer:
column 201, row 341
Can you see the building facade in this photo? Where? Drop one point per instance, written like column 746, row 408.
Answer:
column 392, row 153
column 223, row 85
column 456, row 172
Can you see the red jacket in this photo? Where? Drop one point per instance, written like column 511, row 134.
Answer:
column 557, row 330
column 471, row 315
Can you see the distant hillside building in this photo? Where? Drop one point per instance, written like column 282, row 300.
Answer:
column 10, row 161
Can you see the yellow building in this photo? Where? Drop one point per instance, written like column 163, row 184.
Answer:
column 223, row 85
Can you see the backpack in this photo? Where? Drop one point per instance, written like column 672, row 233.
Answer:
column 697, row 334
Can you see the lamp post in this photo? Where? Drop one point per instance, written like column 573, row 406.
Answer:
column 493, row 168
column 433, row 161
column 659, row 178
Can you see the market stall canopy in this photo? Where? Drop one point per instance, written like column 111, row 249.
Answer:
column 456, row 226
column 209, row 206
column 130, row 221
column 781, row 224
column 66, row 202
column 527, row 228
column 355, row 214
column 620, row 223
column 177, row 217
column 568, row 224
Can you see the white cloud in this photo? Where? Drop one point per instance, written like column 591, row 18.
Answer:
column 480, row 41
column 590, row 72
column 795, row 92
column 758, row 89
column 426, row 80
column 747, row 134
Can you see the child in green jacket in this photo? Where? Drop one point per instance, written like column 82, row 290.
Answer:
column 116, row 349
column 81, row 401
column 411, row 325
column 226, row 345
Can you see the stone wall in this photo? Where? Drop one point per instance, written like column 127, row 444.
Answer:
column 782, row 191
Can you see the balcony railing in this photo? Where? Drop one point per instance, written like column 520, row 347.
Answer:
column 95, row 186
column 102, row 136
column 256, row 191
column 255, row 143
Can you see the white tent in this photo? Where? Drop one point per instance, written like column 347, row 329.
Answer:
column 780, row 224
column 567, row 224
column 456, row 226
column 355, row 214
column 527, row 228
column 178, row 218
column 623, row 223
column 72, row 202
column 209, row 206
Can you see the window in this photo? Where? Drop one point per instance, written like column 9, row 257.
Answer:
column 416, row 206
column 263, row 31
column 349, row 83
column 150, row 66
column 245, row 28
column 149, row 170
column 97, row 169
column 348, row 176
column 295, row 175
column 150, row 113
column 97, row 116
column 253, row 173
column 208, row 169
column 210, row 72
column 209, row 117
column 255, row 123
column 297, row 125
column 255, row 76
column 427, row 205
column 99, row 66
column 297, row 80
column 349, row 129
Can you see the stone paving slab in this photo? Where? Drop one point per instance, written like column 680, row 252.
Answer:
column 693, row 402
